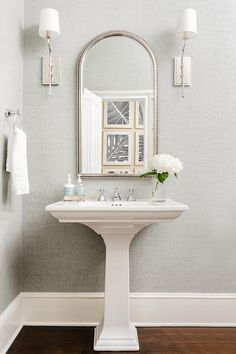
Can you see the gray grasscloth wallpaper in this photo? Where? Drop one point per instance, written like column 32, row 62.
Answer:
column 11, row 85
column 197, row 252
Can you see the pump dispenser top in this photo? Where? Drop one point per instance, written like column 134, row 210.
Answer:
column 69, row 179
column 79, row 180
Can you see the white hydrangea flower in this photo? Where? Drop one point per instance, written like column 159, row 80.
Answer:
column 165, row 163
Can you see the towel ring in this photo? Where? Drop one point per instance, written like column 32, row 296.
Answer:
column 9, row 113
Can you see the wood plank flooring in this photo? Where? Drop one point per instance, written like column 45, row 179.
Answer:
column 79, row 340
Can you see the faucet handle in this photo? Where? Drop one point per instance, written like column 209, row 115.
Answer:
column 101, row 197
column 131, row 195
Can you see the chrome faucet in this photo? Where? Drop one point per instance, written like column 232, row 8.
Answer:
column 116, row 196
column 101, row 197
column 131, row 196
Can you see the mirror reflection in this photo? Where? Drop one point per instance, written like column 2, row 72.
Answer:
column 117, row 111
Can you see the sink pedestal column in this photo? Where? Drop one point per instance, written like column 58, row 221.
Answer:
column 116, row 332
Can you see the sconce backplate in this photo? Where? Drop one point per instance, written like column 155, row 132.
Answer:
column 55, row 70
column 187, row 71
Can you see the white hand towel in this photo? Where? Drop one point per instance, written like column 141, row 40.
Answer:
column 17, row 162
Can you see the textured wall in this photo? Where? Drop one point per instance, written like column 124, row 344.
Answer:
column 197, row 252
column 11, row 87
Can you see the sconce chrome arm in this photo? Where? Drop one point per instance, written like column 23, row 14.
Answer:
column 182, row 67
column 49, row 28
column 186, row 29
column 50, row 66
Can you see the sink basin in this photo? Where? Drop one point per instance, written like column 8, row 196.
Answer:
column 95, row 205
column 117, row 223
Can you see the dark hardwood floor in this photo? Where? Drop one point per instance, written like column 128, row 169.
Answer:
column 79, row 340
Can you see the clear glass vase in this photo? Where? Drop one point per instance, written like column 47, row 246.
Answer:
column 158, row 191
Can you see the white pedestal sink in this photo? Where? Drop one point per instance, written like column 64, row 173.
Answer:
column 117, row 223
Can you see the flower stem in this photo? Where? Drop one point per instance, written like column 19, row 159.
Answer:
column 156, row 185
column 154, row 189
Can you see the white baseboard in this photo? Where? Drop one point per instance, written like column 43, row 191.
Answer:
column 86, row 309
column 10, row 324
column 147, row 309
column 62, row 309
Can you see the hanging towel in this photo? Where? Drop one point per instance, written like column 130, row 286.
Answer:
column 17, row 161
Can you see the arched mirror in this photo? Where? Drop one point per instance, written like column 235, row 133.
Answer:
column 117, row 106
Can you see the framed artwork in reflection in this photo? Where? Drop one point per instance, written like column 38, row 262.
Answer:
column 139, row 114
column 118, row 171
column 117, row 147
column 118, row 114
column 139, row 148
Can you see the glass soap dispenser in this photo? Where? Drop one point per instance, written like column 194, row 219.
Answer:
column 69, row 189
column 79, row 190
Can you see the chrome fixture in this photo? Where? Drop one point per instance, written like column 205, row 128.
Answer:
column 116, row 196
column 131, row 196
column 49, row 28
column 11, row 113
column 101, row 197
column 186, row 29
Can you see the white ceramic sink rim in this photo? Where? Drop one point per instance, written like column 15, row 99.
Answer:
column 109, row 206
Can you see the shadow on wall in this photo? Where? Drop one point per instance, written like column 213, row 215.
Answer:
column 169, row 44
column 33, row 43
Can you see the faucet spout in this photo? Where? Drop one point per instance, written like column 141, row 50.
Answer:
column 116, row 195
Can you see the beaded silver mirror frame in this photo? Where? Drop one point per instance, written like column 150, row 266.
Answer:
column 80, row 64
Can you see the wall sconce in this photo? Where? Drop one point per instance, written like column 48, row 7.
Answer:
column 186, row 29
column 49, row 28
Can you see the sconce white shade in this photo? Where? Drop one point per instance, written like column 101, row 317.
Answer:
column 187, row 24
column 49, row 26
